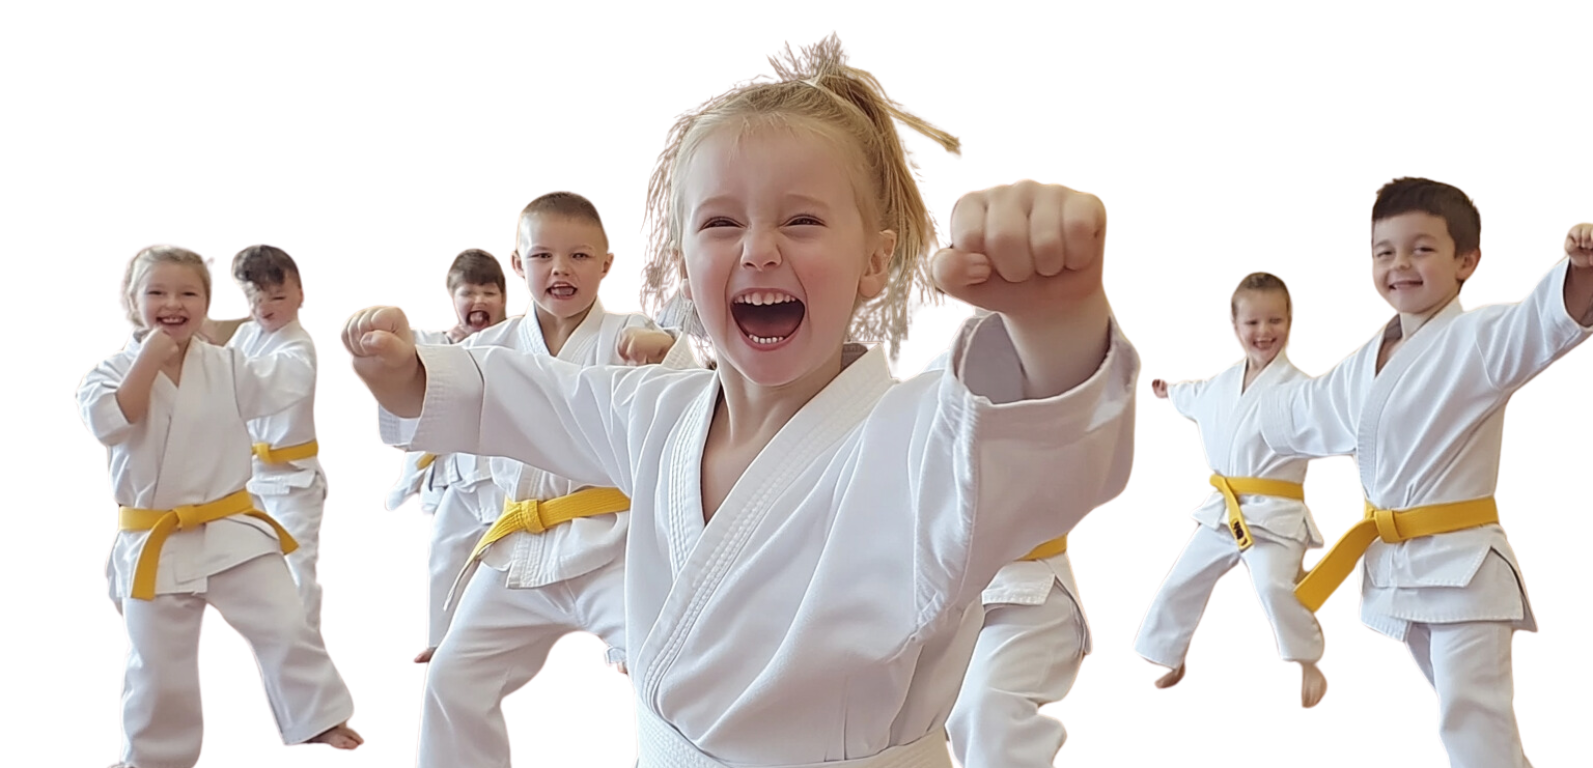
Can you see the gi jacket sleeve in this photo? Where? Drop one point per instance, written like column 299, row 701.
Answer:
column 1185, row 397
column 272, row 383
column 557, row 416
column 992, row 475
column 96, row 401
column 1517, row 342
column 1312, row 417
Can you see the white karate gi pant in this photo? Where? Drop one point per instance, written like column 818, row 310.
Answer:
column 161, row 714
column 456, row 527
column 1469, row 666
column 1027, row 656
column 499, row 640
column 1273, row 564
column 299, row 510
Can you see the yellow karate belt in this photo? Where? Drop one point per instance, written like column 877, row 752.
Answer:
column 300, row 452
column 1392, row 527
column 1051, row 548
column 425, row 460
column 161, row 522
column 1231, row 487
column 537, row 516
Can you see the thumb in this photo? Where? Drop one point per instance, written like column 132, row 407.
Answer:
column 951, row 269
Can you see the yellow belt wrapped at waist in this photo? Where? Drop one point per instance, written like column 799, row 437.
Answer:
column 161, row 522
column 265, row 453
column 1231, row 487
column 1392, row 527
column 538, row 516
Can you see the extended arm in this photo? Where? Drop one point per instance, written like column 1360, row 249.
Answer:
column 1517, row 342
column 1314, row 417
column 996, row 475
column 273, row 383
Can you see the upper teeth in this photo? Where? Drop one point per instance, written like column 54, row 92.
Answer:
column 765, row 298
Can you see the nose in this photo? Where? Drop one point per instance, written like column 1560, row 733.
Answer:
column 562, row 265
column 760, row 251
column 1401, row 258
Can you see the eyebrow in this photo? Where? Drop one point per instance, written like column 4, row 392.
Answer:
column 788, row 197
column 535, row 249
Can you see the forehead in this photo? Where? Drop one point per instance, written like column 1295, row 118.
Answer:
column 289, row 283
column 744, row 163
column 1261, row 302
column 1410, row 225
column 167, row 273
column 552, row 229
column 476, row 288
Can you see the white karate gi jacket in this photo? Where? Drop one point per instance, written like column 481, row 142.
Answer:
column 1427, row 430
column 812, row 619
column 192, row 447
column 290, row 427
column 1230, row 429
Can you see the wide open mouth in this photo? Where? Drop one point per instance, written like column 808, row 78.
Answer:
column 561, row 291
column 768, row 317
column 171, row 322
column 478, row 318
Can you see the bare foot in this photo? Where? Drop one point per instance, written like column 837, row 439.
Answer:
column 425, row 656
column 338, row 737
column 1313, row 684
column 1171, row 678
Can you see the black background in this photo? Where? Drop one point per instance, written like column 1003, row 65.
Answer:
column 373, row 169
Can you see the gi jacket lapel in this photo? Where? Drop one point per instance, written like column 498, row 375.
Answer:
column 701, row 556
column 1383, row 384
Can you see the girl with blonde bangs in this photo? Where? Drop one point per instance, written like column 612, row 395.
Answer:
column 808, row 534
column 172, row 411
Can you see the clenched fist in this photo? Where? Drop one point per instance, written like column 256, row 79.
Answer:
column 642, row 346
column 1024, row 250
column 1579, row 245
column 383, row 347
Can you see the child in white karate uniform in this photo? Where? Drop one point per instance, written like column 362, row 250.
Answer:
column 288, row 478
column 1421, row 408
column 172, row 411
column 455, row 489
column 1257, row 514
column 554, row 563
column 806, row 534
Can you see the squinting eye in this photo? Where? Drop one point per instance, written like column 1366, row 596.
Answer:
column 718, row 221
column 808, row 221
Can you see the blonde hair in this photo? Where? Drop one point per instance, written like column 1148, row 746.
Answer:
column 679, row 314
column 817, row 87
column 138, row 274
column 1260, row 281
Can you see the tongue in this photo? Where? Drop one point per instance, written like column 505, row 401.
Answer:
column 478, row 317
column 768, row 321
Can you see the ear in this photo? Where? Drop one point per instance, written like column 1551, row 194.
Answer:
column 685, row 278
column 1468, row 264
column 608, row 261
column 877, row 271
